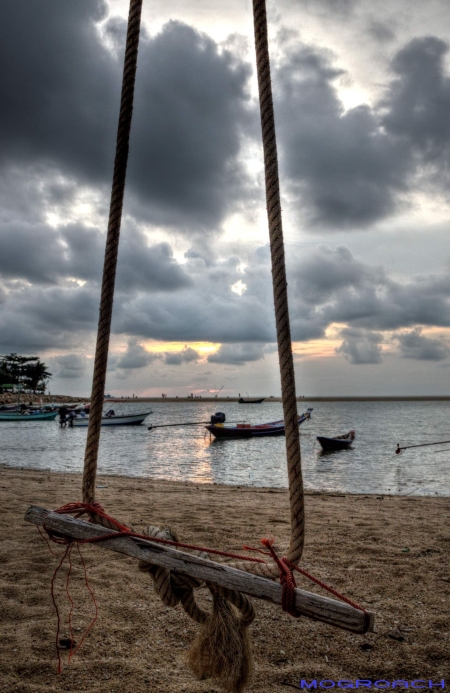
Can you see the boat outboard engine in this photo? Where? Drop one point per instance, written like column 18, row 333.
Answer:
column 218, row 418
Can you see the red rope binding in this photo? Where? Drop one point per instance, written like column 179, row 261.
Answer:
column 287, row 580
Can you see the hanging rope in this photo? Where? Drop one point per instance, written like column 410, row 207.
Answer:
column 222, row 650
column 112, row 247
column 296, row 495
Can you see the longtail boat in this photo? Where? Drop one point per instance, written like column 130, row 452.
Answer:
column 338, row 443
column 247, row 430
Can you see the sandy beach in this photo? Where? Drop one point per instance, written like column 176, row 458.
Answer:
column 390, row 554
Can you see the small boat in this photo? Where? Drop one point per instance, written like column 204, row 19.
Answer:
column 343, row 442
column 250, row 400
column 111, row 418
column 31, row 416
column 247, row 430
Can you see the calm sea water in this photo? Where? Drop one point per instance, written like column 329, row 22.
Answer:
column 188, row 454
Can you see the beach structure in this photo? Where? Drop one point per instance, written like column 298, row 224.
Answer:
column 221, row 650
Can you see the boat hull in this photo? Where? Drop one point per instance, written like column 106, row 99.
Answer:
column 44, row 416
column 248, row 400
column 274, row 428
column 127, row 420
column 335, row 443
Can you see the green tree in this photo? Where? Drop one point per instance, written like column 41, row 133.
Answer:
column 27, row 371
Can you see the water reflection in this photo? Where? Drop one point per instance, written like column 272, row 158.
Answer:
column 188, row 454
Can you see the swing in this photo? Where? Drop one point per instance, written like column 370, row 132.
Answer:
column 222, row 650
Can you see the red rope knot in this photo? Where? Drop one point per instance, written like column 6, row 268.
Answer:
column 287, row 580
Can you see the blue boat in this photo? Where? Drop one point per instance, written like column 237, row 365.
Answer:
column 32, row 416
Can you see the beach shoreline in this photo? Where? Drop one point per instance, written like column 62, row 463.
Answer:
column 11, row 398
column 388, row 553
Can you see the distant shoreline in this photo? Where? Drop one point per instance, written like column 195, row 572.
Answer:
column 425, row 398
column 9, row 398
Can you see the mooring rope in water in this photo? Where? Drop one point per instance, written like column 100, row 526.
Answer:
column 399, row 449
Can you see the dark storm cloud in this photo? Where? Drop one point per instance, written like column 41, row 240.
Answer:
column 60, row 317
column 58, row 86
column 30, row 251
column 413, row 345
column 191, row 112
column 176, row 358
column 41, row 254
column 351, row 168
column 331, row 286
column 238, row 354
column 345, row 169
column 60, row 90
column 207, row 311
column 361, row 346
column 418, row 100
column 150, row 268
column 326, row 287
column 136, row 356
column 69, row 366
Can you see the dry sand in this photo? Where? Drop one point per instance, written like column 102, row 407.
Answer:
column 388, row 553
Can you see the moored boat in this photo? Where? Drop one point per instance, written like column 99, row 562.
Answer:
column 343, row 442
column 250, row 400
column 247, row 430
column 31, row 416
column 113, row 419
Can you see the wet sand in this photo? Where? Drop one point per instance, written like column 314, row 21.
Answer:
column 390, row 554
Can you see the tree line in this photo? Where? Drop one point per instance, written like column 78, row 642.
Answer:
column 27, row 372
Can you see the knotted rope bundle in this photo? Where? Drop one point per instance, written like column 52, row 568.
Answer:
column 221, row 650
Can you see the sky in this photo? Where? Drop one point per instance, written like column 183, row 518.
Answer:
column 362, row 104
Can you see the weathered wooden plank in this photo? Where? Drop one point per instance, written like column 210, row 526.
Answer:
column 314, row 606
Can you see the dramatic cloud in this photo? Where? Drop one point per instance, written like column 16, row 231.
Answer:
column 361, row 346
column 176, row 358
column 59, row 91
column 413, row 345
column 41, row 254
column 192, row 110
column 60, row 95
column 136, row 356
column 69, row 366
column 190, row 224
column 331, row 286
column 345, row 168
column 55, row 317
column 350, row 168
column 238, row 354
column 418, row 100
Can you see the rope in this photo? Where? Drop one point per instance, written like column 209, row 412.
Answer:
column 278, row 270
column 400, row 449
column 171, row 587
column 287, row 580
column 296, row 496
column 112, row 246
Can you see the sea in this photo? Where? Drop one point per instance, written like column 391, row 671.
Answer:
column 188, row 453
